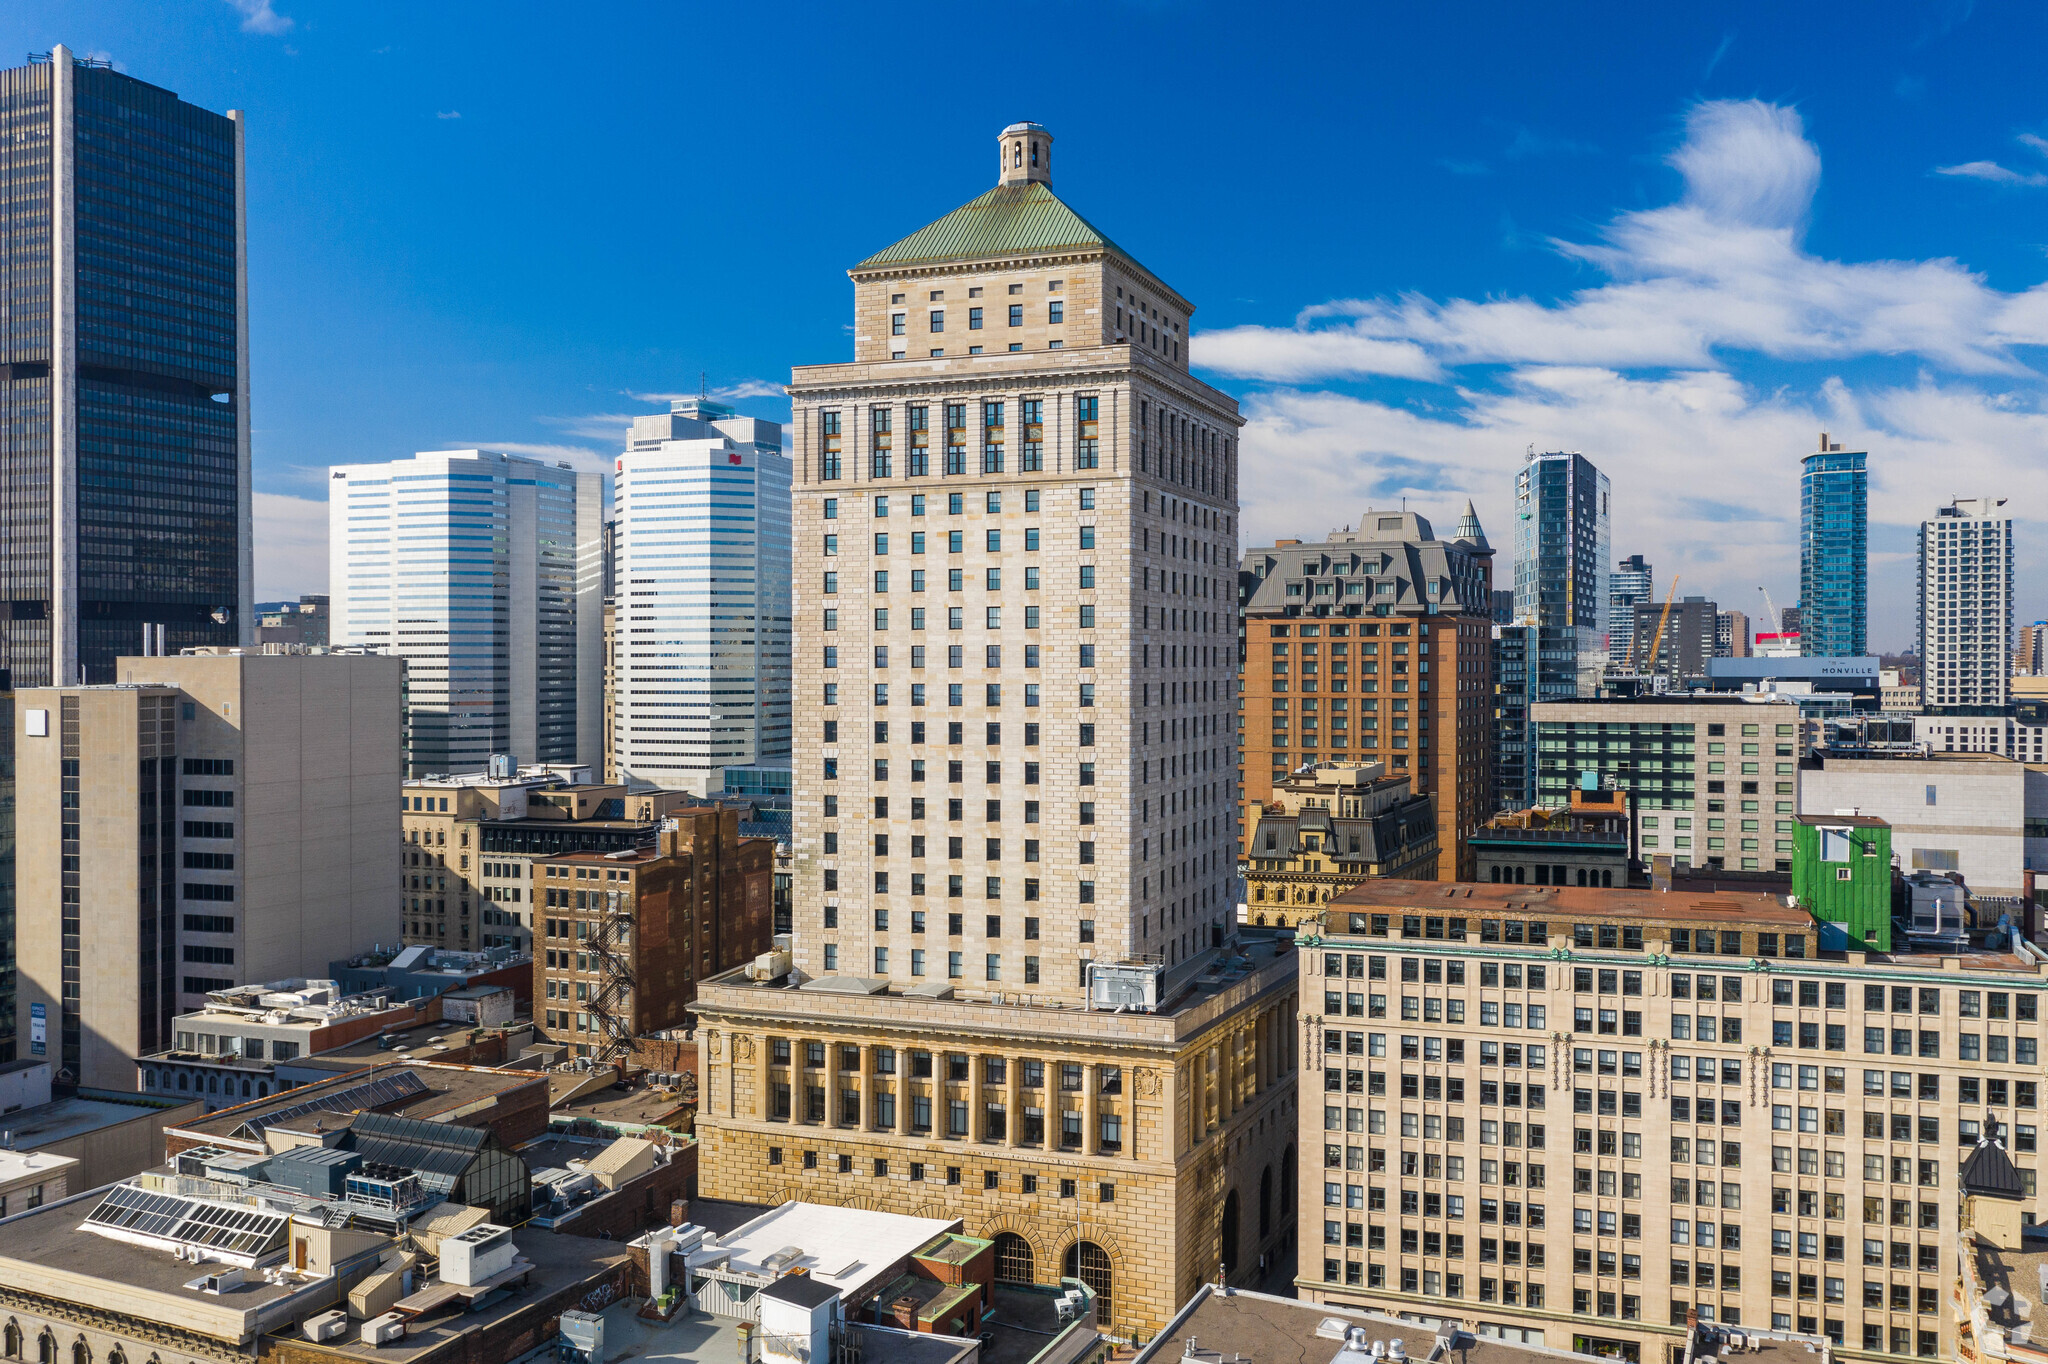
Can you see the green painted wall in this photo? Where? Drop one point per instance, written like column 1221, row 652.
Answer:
column 1862, row 901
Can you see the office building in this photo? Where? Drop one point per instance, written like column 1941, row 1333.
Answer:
column 1966, row 604
column 492, row 596
column 1675, row 638
column 1633, row 581
column 624, row 937
column 1514, row 692
column 1386, row 627
column 1731, row 635
column 1834, row 552
column 237, row 805
column 468, row 842
column 1326, row 828
column 302, row 622
column 125, row 394
column 1561, row 575
column 1486, row 1162
column 2022, row 736
column 1587, row 843
column 701, row 670
column 1714, row 779
column 8, row 834
column 1950, row 811
column 1015, row 520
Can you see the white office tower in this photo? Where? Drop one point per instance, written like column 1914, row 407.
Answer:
column 484, row 572
column 702, row 609
column 1966, row 606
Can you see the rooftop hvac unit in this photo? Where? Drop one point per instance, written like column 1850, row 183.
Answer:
column 584, row 1331
column 327, row 1326
column 384, row 1330
column 770, row 966
column 1136, row 987
column 475, row 1255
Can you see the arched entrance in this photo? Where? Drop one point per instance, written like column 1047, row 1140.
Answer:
column 1089, row 1263
column 1014, row 1259
column 1228, row 1235
column 1265, row 1203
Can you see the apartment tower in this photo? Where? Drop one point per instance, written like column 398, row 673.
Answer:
column 701, row 658
column 1966, row 607
column 1015, row 535
column 1388, row 626
column 1633, row 581
column 124, row 396
column 206, row 821
column 493, row 596
column 1561, row 556
column 1834, row 552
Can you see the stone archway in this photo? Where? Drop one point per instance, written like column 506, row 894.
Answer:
column 1227, row 1233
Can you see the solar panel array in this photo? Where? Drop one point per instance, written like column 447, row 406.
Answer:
column 385, row 1089
column 226, row 1228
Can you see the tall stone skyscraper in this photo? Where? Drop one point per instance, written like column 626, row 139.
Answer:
column 1562, row 531
column 1015, row 518
column 1966, row 608
column 124, row 393
column 1834, row 552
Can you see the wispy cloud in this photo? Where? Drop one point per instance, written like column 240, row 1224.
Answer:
column 1457, row 167
column 1727, row 41
column 447, row 113
column 259, row 17
column 726, row 393
column 291, row 545
column 1992, row 171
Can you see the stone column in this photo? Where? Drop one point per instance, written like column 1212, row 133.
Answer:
column 1091, row 1109
column 866, row 1098
column 1013, row 1112
column 902, row 1092
column 764, row 1072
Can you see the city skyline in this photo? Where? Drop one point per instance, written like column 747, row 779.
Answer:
column 1573, row 204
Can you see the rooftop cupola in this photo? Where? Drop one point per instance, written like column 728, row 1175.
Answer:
column 1024, row 155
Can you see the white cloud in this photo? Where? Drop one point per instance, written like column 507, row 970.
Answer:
column 259, row 17
column 1992, row 171
column 448, row 113
column 1633, row 371
column 729, row 393
column 291, row 545
column 1720, row 270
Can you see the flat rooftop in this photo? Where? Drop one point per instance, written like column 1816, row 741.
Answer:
column 442, row 1089
column 843, row 1248
column 640, row 1104
column 1486, row 900
column 63, row 1119
column 1262, row 1329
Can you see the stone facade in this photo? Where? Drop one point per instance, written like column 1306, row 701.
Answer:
column 1526, row 1139
column 1199, row 1103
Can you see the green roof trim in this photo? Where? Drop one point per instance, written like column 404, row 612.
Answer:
column 1007, row 220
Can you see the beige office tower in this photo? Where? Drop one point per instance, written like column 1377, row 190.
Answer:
column 1015, row 540
column 208, row 820
column 1587, row 1118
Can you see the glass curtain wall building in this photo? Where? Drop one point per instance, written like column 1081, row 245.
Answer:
column 484, row 572
column 1562, row 539
column 1633, row 581
column 124, row 433
column 702, row 677
column 1834, row 552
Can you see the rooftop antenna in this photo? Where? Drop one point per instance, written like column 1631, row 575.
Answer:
column 703, row 388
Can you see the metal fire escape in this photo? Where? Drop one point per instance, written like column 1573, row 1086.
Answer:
column 611, row 998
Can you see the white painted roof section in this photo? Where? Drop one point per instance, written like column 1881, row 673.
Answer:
column 842, row 1247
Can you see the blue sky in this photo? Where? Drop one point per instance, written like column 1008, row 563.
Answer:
column 1683, row 239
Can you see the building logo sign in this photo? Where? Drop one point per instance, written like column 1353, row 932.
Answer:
column 38, row 1029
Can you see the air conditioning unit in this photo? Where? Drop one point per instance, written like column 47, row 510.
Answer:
column 1134, row 986
column 384, row 1330
column 327, row 1326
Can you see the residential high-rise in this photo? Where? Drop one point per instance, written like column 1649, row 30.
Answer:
column 1633, row 581
column 1731, row 635
column 124, row 396
column 2030, row 655
column 1015, row 781
column 702, row 655
column 1834, row 552
column 1561, row 558
column 206, row 821
column 1966, row 607
column 493, row 596
column 1339, row 630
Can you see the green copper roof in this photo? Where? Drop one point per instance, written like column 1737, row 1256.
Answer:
column 1006, row 220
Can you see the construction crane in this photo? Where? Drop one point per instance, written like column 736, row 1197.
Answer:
column 1772, row 622
column 1663, row 619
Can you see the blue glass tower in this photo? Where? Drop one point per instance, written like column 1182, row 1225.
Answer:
column 1834, row 552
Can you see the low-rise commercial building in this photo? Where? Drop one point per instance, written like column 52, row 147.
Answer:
column 1586, row 844
column 1949, row 812
column 228, row 1051
column 1347, row 821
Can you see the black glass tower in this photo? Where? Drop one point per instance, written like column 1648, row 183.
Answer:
column 124, row 427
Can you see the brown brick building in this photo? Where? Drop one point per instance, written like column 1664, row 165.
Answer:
column 624, row 937
column 1372, row 645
